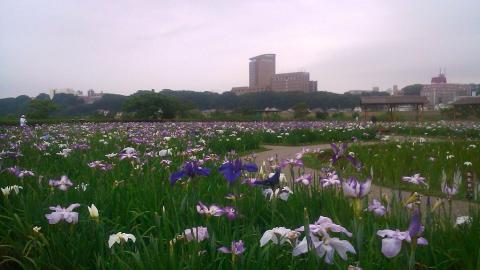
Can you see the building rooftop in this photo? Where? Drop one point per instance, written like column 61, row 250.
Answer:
column 268, row 55
column 467, row 101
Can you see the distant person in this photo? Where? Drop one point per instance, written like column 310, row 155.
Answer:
column 23, row 121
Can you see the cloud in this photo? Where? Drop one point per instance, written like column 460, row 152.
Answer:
column 122, row 46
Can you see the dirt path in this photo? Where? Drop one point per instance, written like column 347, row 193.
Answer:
column 279, row 152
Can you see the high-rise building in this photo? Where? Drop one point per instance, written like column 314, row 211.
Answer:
column 441, row 92
column 262, row 68
column 263, row 78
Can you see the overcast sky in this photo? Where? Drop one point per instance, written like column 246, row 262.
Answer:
column 122, row 46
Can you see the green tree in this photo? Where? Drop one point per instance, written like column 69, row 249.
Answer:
column 300, row 110
column 412, row 90
column 41, row 108
column 151, row 105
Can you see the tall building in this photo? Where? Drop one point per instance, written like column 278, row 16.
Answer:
column 262, row 68
column 262, row 77
column 441, row 92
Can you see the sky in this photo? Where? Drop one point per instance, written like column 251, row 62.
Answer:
column 204, row 45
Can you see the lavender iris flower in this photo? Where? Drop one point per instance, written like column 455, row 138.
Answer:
column 354, row 189
column 237, row 248
column 415, row 179
column 63, row 184
column 392, row 240
column 190, row 169
column 59, row 213
column 377, row 208
column 330, row 179
column 230, row 212
column 325, row 245
column 305, row 179
column 18, row 172
column 294, row 162
column 231, row 170
column 338, row 152
column 128, row 153
column 341, row 152
column 452, row 190
column 212, row 210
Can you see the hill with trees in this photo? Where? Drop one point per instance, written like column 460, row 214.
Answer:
column 169, row 103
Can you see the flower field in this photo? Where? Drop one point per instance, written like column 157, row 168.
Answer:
column 193, row 196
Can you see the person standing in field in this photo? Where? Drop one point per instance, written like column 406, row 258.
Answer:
column 23, row 121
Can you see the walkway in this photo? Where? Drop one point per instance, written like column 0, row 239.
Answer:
column 459, row 207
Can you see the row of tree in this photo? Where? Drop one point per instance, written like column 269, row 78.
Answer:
column 168, row 103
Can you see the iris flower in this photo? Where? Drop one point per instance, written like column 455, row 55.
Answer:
column 18, row 172
column 59, row 213
column 338, row 151
column 128, row 153
column 7, row 190
column 212, row 210
column 415, row 179
column 392, row 240
column 377, row 208
column 237, row 248
column 231, row 170
column 272, row 180
column 197, row 234
column 325, row 245
column 330, row 179
column 120, row 238
column 63, row 184
column 450, row 191
column 282, row 193
column 354, row 189
column 279, row 235
column 305, row 179
column 190, row 169
column 294, row 162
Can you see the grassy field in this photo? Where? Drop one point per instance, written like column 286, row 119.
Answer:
column 125, row 171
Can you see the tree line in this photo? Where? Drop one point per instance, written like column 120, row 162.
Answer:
column 169, row 104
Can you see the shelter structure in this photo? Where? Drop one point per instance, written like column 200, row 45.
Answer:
column 468, row 106
column 391, row 103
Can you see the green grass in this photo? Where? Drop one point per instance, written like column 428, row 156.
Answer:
column 391, row 161
column 137, row 198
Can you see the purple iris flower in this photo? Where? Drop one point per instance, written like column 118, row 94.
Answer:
column 392, row 240
column 271, row 181
column 190, row 169
column 354, row 161
column 63, row 184
column 59, row 213
column 212, row 210
column 305, row 179
column 237, row 248
column 230, row 212
column 128, row 153
column 18, row 172
column 355, row 189
column 377, row 208
column 341, row 152
column 294, row 162
column 100, row 165
column 415, row 179
column 338, row 152
column 231, row 170
column 330, row 179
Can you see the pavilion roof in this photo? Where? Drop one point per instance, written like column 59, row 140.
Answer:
column 393, row 100
column 467, row 101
